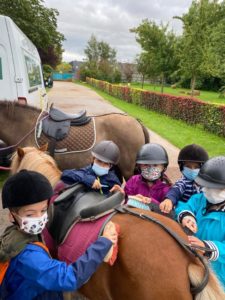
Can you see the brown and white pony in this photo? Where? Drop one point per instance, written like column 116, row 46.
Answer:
column 150, row 263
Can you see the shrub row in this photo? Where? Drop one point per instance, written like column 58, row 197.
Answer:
column 188, row 109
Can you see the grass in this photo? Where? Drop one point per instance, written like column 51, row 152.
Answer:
column 176, row 132
column 206, row 96
column 3, row 176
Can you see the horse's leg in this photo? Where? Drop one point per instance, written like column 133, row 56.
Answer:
column 150, row 265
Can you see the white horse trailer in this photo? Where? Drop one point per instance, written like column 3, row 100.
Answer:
column 21, row 76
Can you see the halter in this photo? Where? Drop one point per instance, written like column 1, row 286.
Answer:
column 190, row 249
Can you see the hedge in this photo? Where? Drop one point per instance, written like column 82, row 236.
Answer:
column 188, row 109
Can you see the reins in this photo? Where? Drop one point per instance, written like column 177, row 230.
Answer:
column 181, row 242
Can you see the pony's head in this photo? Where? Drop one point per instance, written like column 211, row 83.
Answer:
column 33, row 159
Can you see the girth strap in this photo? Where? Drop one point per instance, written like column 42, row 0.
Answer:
column 181, row 242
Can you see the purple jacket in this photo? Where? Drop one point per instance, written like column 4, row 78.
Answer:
column 136, row 185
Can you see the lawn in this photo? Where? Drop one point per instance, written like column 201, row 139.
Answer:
column 175, row 131
column 3, row 177
column 207, row 96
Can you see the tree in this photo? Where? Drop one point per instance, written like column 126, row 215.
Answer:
column 100, row 61
column 39, row 23
column 158, row 43
column 197, row 44
column 145, row 66
column 64, row 67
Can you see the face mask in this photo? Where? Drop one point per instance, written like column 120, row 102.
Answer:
column 190, row 174
column 214, row 196
column 151, row 173
column 100, row 171
column 33, row 225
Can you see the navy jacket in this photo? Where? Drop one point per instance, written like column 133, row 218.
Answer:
column 87, row 176
column 32, row 274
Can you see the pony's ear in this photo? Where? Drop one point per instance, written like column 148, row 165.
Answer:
column 20, row 152
column 44, row 147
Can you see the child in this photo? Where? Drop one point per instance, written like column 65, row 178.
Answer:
column 101, row 174
column 190, row 159
column 204, row 214
column 26, row 269
column 149, row 186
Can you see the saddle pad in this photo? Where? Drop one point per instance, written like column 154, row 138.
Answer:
column 80, row 138
column 81, row 236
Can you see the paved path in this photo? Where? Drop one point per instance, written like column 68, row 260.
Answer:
column 72, row 97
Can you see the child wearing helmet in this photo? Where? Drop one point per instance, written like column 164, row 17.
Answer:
column 190, row 159
column 26, row 269
column 101, row 174
column 150, row 185
column 204, row 214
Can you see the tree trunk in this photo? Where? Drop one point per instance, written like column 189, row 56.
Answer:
column 193, row 82
column 143, row 81
column 162, row 83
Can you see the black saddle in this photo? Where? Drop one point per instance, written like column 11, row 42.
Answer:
column 58, row 123
column 79, row 203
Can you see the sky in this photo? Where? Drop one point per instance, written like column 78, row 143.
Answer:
column 110, row 21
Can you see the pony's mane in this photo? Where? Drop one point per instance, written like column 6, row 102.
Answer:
column 36, row 160
column 12, row 105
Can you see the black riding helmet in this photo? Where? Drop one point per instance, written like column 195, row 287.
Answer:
column 192, row 153
column 212, row 173
column 107, row 151
column 24, row 188
column 152, row 154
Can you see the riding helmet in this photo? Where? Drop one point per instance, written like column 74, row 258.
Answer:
column 152, row 154
column 24, row 188
column 212, row 173
column 192, row 153
column 107, row 151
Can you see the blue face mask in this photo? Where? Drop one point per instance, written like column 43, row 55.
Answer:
column 190, row 174
column 100, row 171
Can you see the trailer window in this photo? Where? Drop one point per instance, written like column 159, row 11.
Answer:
column 1, row 76
column 33, row 71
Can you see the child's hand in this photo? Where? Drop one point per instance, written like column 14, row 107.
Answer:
column 166, row 206
column 196, row 242
column 117, row 188
column 110, row 232
column 96, row 185
column 190, row 223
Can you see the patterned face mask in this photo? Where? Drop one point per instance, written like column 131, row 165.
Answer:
column 151, row 173
column 33, row 225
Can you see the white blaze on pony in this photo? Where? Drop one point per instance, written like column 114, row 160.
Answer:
column 147, row 256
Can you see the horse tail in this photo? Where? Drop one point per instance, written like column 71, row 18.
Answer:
column 213, row 289
column 145, row 131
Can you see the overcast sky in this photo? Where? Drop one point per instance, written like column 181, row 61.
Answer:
column 110, row 21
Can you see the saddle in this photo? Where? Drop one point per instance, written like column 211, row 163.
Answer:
column 78, row 203
column 58, row 123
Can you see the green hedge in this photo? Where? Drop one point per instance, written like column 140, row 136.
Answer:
column 188, row 109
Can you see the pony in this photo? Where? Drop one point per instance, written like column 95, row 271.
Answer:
column 150, row 263
column 18, row 123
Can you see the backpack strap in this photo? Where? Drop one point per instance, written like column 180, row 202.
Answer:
column 43, row 246
column 3, row 268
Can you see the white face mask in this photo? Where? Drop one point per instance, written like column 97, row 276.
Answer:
column 214, row 196
column 33, row 225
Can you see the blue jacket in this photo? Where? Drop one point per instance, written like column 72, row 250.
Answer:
column 87, row 176
column 211, row 229
column 32, row 274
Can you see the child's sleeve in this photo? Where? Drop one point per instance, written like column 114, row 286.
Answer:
column 176, row 192
column 187, row 208
column 53, row 275
column 218, row 253
column 129, row 188
column 81, row 175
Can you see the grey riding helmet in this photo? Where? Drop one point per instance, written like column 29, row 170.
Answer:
column 152, row 154
column 107, row 151
column 192, row 153
column 212, row 173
